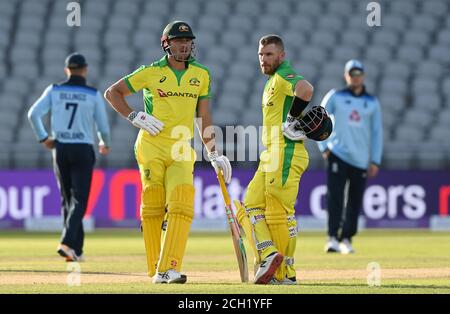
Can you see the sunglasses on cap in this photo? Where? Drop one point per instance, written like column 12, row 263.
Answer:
column 356, row 72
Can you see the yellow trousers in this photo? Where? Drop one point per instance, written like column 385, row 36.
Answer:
column 166, row 169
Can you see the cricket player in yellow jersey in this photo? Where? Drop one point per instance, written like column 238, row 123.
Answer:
column 175, row 89
column 268, row 217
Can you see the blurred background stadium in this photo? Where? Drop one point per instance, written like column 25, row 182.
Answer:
column 407, row 61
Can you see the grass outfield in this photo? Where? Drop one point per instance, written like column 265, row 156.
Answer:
column 410, row 261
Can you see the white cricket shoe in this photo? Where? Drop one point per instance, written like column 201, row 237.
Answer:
column 81, row 258
column 346, row 247
column 285, row 281
column 267, row 268
column 170, row 276
column 67, row 253
column 332, row 245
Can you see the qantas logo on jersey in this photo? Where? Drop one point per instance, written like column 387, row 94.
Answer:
column 161, row 93
column 175, row 94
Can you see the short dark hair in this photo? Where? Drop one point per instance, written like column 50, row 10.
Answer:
column 272, row 39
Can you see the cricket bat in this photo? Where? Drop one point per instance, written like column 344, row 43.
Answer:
column 238, row 243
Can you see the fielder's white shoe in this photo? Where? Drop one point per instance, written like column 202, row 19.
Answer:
column 332, row 245
column 67, row 253
column 346, row 247
column 170, row 276
column 81, row 258
column 285, row 281
column 267, row 268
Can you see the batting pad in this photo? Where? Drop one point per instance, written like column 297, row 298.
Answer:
column 244, row 222
column 279, row 231
column 289, row 257
column 261, row 234
column 152, row 215
column 180, row 214
column 151, row 229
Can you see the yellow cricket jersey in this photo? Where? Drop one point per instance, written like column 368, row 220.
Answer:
column 276, row 103
column 170, row 95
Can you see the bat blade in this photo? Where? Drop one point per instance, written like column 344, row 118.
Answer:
column 238, row 244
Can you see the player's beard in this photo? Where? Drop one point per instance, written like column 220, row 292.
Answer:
column 271, row 68
column 183, row 54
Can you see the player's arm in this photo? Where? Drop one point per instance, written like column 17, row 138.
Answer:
column 101, row 120
column 302, row 96
column 328, row 104
column 40, row 108
column 376, row 141
column 206, row 129
column 115, row 95
column 303, row 92
column 208, row 137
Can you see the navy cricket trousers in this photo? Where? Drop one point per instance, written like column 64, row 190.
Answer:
column 73, row 165
column 344, row 224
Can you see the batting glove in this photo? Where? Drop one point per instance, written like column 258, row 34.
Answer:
column 221, row 163
column 146, row 121
column 291, row 129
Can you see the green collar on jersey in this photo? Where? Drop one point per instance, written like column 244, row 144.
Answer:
column 163, row 61
column 283, row 66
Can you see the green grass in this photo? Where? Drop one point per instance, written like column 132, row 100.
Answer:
column 116, row 259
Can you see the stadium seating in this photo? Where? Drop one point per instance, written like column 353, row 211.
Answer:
column 407, row 60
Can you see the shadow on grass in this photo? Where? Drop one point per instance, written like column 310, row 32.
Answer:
column 300, row 285
column 393, row 286
column 67, row 271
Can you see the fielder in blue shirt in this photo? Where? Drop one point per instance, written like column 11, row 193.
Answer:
column 353, row 152
column 75, row 108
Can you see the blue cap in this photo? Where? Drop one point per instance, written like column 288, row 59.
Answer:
column 353, row 64
column 75, row 61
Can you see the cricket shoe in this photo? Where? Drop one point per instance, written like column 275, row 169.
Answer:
column 285, row 281
column 170, row 276
column 81, row 258
column 67, row 253
column 346, row 247
column 267, row 268
column 332, row 245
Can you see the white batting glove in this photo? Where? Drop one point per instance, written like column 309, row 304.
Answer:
column 146, row 121
column 221, row 163
column 291, row 129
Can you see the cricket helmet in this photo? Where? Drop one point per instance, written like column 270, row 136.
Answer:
column 177, row 29
column 316, row 124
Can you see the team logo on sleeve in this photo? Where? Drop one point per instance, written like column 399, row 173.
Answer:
column 290, row 76
column 194, row 82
